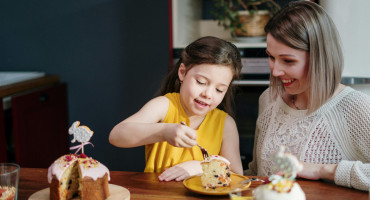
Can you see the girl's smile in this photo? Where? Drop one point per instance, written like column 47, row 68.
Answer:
column 200, row 104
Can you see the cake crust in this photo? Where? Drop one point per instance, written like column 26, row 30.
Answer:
column 94, row 189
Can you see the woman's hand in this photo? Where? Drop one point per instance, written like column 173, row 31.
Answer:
column 181, row 171
column 317, row 171
column 180, row 136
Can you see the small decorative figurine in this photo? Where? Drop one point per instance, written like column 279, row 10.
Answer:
column 80, row 133
column 286, row 163
column 282, row 185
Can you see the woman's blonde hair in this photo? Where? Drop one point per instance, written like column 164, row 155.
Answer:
column 305, row 25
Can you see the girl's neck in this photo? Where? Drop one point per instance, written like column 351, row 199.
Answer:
column 196, row 121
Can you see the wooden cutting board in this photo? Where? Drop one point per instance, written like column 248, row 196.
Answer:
column 116, row 193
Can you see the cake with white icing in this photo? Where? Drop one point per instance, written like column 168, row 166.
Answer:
column 78, row 175
column 72, row 175
column 216, row 172
column 282, row 187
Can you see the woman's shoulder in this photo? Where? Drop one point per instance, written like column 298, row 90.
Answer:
column 351, row 96
column 349, row 100
column 265, row 99
column 265, row 96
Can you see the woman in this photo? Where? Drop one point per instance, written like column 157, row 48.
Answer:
column 324, row 123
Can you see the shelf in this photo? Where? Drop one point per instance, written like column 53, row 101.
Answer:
column 188, row 25
column 251, row 82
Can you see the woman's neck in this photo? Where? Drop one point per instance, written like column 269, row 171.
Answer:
column 296, row 101
column 301, row 101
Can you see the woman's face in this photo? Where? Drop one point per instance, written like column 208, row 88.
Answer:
column 203, row 87
column 289, row 65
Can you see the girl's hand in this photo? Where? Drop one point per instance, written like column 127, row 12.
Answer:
column 317, row 171
column 181, row 171
column 180, row 136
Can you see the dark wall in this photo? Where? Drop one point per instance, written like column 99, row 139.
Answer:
column 112, row 54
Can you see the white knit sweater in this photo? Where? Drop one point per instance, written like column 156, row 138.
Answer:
column 338, row 132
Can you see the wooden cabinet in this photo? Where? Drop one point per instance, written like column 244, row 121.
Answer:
column 39, row 125
column 3, row 156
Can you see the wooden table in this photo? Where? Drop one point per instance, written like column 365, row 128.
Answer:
column 146, row 186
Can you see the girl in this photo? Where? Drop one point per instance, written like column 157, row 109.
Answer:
column 196, row 91
column 321, row 121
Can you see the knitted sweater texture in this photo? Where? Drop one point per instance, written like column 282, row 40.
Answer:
column 337, row 133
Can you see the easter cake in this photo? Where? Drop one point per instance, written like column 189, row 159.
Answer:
column 78, row 175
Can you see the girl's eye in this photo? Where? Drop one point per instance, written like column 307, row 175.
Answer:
column 200, row 82
column 270, row 57
column 220, row 91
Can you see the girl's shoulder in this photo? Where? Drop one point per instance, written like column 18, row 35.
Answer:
column 159, row 100
column 174, row 96
column 158, row 104
column 173, row 99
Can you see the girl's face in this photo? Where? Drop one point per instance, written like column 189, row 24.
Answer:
column 203, row 87
column 288, row 64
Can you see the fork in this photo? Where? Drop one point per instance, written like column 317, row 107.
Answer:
column 204, row 151
column 252, row 179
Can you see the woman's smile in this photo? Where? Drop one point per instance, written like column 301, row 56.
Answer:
column 287, row 82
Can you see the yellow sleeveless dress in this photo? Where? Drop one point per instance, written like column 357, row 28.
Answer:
column 161, row 155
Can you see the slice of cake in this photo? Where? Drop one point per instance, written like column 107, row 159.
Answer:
column 83, row 176
column 216, row 172
column 282, row 187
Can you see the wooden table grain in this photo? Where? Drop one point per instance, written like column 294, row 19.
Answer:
column 147, row 186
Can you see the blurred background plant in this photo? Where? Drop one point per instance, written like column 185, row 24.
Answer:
column 235, row 15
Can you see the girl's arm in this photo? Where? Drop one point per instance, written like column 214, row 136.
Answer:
column 144, row 127
column 230, row 145
column 229, row 150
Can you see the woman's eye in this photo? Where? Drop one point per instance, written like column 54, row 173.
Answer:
column 220, row 91
column 288, row 61
column 270, row 57
column 200, row 82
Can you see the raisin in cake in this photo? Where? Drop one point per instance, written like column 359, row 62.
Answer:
column 216, row 172
column 72, row 175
